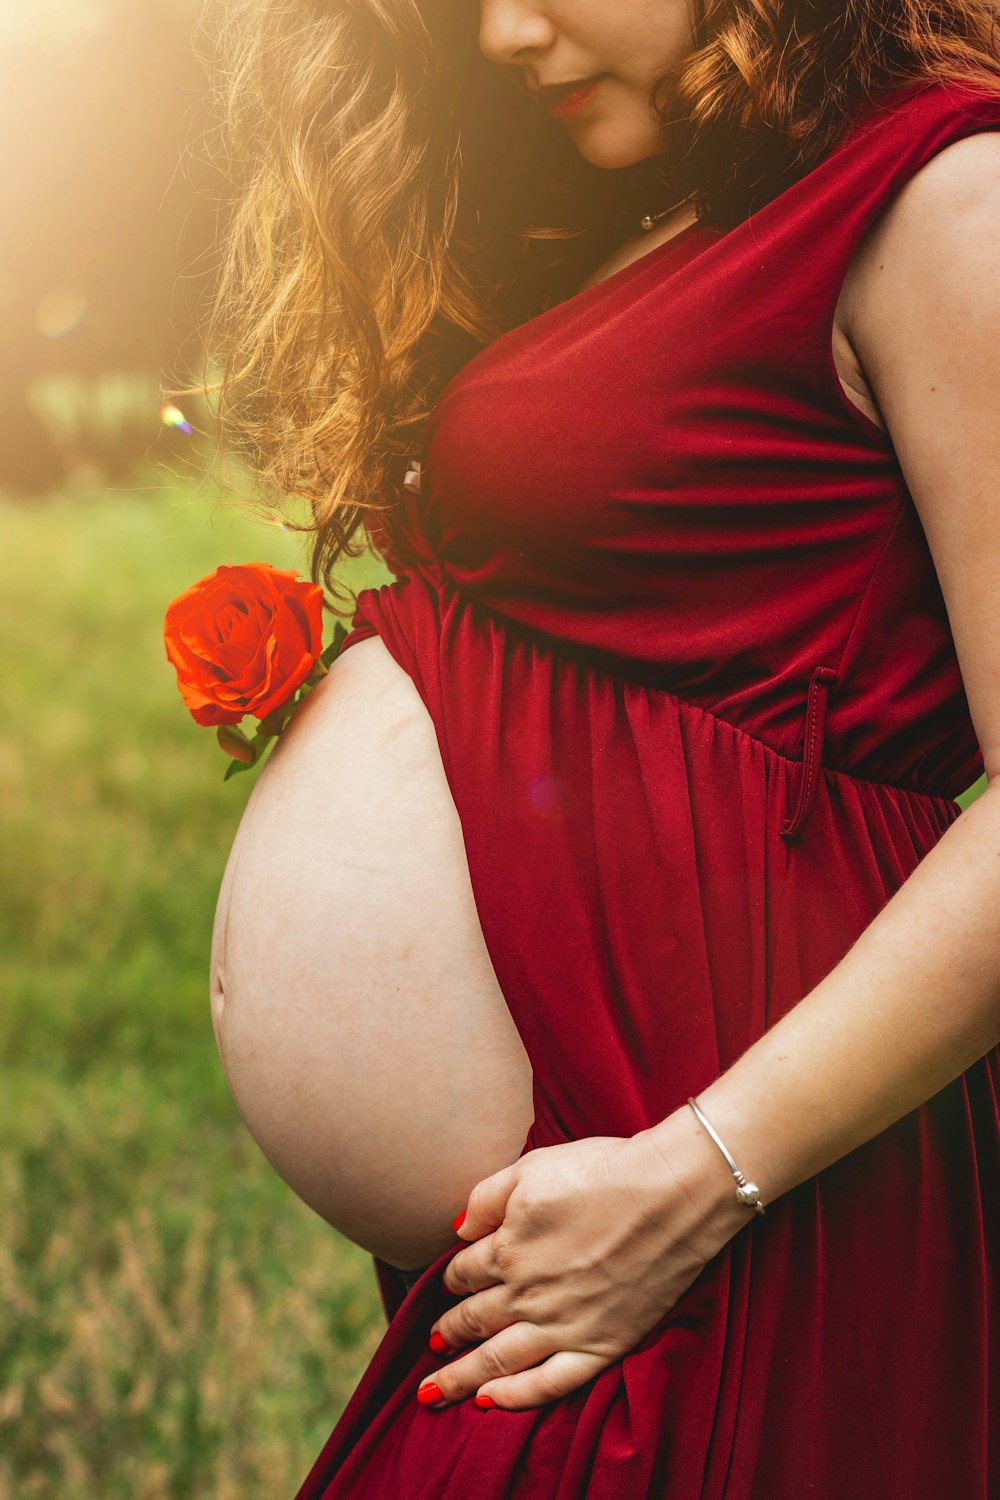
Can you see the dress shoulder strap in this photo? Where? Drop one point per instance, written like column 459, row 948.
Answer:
column 805, row 238
column 894, row 136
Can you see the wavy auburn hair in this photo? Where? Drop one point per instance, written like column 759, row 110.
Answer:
column 396, row 205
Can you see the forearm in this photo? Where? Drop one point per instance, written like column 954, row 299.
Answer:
column 914, row 1002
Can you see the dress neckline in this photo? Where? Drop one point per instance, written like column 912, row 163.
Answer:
column 871, row 107
column 541, row 322
column 698, row 235
column 616, row 278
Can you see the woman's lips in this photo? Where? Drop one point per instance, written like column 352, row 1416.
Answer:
column 569, row 104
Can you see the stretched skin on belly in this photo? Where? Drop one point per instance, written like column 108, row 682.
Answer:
column 362, row 1031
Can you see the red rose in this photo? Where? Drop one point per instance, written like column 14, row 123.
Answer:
column 243, row 640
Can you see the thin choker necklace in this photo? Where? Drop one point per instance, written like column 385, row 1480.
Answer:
column 650, row 221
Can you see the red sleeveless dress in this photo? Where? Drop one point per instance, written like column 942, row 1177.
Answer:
column 675, row 620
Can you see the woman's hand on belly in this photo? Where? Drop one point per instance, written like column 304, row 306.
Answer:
column 580, row 1250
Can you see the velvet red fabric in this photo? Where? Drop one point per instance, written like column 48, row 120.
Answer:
column 676, row 622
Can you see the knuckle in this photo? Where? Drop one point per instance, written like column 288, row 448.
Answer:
column 551, row 1385
column 504, row 1254
column 530, row 1197
column 525, row 1306
column 610, row 1350
column 493, row 1360
column 529, row 1294
column 472, row 1326
column 453, row 1278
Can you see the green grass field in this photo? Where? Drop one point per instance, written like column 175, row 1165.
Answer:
column 173, row 1321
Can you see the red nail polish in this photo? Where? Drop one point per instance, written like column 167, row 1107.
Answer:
column 456, row 1224
column 428, row 1394
column 485, row 1401
column 438, row 1344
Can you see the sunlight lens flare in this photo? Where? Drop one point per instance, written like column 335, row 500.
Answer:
column 172, row 416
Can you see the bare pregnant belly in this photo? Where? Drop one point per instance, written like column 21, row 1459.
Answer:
column 361, row 1028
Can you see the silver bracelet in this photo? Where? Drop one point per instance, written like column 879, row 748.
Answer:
column 747, row 1193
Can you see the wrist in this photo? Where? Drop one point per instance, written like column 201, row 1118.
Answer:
column 692, row 1163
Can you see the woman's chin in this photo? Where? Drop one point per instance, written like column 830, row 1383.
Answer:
column 603, row 149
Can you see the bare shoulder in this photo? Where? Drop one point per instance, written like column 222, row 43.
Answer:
column 943, row 222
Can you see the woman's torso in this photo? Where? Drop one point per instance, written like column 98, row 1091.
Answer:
column 364, row 1035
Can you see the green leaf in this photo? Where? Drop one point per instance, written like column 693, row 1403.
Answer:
column 339, row 632
column 274, row 722
column 261, row 746
column 235, row 767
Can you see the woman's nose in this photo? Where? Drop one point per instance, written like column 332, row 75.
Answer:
column 510, row 28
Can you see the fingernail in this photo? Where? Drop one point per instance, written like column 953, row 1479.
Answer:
column 485, row 1401
column 456, row 1224
column 428, row 1394
column 438, row 1344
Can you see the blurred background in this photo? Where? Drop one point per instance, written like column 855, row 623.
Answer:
column 173, row 1321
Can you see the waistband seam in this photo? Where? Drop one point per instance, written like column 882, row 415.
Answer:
column 542, row 641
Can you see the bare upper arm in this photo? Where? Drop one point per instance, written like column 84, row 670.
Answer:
column 924, row 319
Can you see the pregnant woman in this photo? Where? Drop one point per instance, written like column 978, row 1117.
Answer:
column 611, row 890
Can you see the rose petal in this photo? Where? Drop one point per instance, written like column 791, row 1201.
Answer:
column 243, row 639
